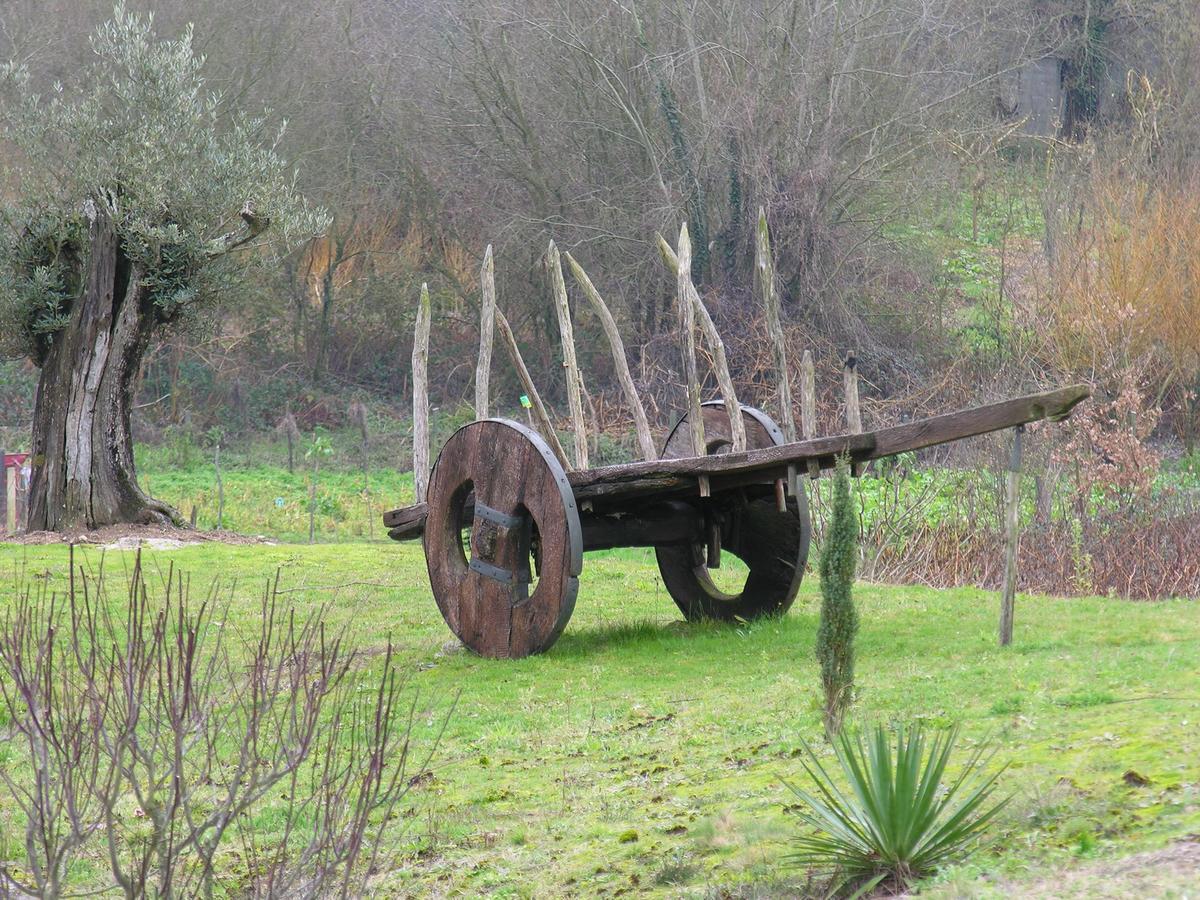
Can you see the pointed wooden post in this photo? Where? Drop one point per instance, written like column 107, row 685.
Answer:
column 617, row 346
column 850, row 384
column 853, row 414
column 487, row 316
column 686, row 312
column 420, row 368
column 808, row 406
column 574, row 379
column 1012, row 522
column 737, row 426
column 545, row 426
column 765, row 267
column 766, row 280
column 4, row 507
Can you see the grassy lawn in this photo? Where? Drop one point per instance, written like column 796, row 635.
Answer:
column 644, row 755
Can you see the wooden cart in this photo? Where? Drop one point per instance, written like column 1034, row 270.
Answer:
column 505, row 527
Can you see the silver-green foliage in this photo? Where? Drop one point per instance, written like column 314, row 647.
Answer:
column 899, row 818
column 140, row 137
column 839, row 619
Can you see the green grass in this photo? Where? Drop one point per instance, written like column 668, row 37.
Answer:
column 642, row 754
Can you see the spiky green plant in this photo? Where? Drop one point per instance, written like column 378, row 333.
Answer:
column 897, row 821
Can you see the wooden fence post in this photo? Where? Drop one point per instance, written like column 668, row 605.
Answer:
column 737, row 426
column 687, row 342
column 1012, row 536
column 574, row 379
column 640, row 424
column 420, row 369
column 487, row 317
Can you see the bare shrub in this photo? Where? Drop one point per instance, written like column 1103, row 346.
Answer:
column 152, row 734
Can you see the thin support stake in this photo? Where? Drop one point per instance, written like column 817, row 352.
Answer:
column 544, row 425
column 640, row 423
column 712, row 337
column 765, row 267
column 687, row 342
column 1012, row 522
column 487, row 317
column 420, row 369
column 808, row 406
column 574, row 378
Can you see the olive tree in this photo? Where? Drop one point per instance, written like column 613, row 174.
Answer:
column 142, row 198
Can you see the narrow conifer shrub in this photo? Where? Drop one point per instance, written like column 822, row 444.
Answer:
column 839, row 619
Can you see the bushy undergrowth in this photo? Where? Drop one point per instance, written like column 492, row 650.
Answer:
column 153, row 735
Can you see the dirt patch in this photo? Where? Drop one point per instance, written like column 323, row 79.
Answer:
column 130, row 537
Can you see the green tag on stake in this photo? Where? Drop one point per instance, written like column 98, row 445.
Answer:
column 525, row 402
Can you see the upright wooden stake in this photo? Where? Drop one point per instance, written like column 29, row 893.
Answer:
column 12, row 473
column 766, row 280
column 853, row 415
column 850, row 383
column 545, row 426
column 574, row 379
column 220, row 487
column 1012, row 536
column 640, row 424
column 487, row 316
column 4, row 504
column 765, row 266
column 737, row 427
column 808, row 406
column 687, row 340
column 420, row 368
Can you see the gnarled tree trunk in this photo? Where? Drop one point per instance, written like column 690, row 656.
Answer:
column 83, row 469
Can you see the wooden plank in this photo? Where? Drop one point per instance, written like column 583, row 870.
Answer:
column 1012, row 539
column 712, row 337
column 544, row 425
column 615, row 484
column 574, row 378
column 766, row 279
column 617, row 346
column 686, row 313
column 420, row 370
column 487, row 318
column 753, row 466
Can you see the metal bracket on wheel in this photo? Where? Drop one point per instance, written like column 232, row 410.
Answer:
column 504, row 520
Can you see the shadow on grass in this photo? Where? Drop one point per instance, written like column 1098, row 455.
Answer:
column 633, row 635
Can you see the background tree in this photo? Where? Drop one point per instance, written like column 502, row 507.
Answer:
column 131, row 181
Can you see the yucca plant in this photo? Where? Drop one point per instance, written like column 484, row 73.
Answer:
column 897, row 821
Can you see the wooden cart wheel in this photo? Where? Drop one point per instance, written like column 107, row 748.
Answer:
column 773, row 544
column 503, row 479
